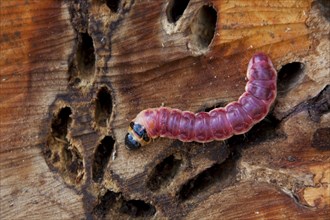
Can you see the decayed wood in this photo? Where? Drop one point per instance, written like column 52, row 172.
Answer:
column 73, row 75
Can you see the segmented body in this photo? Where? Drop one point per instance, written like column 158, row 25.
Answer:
column 219, row 124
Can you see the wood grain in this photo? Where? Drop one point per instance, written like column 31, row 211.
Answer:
column 73, row 74
column 36, row 41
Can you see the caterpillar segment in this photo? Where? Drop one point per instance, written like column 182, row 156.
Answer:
column 219, row 124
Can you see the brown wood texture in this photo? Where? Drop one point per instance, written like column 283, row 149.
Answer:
column 74, row 73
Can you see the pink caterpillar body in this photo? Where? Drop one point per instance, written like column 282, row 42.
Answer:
column 219, row 124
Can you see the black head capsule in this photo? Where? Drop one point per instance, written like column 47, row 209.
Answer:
column 136, row 137
column 131, row 143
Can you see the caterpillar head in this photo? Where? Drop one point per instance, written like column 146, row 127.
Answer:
column 136, row 136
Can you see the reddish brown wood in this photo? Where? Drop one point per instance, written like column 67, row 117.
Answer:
column 73, row 74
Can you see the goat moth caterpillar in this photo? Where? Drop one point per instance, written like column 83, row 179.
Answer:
column 219, row 124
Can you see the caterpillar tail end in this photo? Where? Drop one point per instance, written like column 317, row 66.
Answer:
column 136, row 136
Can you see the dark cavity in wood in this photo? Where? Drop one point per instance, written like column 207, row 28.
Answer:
column 289, row 76
column 101, row 158
column 83, row 64
column 103, row 106
column 113, row 5
column 163, row 173
column 114, row 204
column 60, row 154
column 203, row 28
column 222, row 175
column 175, row 9
column 321, row 139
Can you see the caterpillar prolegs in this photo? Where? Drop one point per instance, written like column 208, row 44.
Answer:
column 219, row 124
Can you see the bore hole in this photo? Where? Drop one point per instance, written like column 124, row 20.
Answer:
column 203, row 28
column 137, row 208
column 113, row 206
column 101, row 157
column 163, row 173
column 85, row 57
column 175, row 9
column 60, row 153
column 325, row 8
column 109, row 200
column 223, row 175
column 289, row 76
column 113, row 5
column 321, row 139
column 103, row 107
column 61, row 122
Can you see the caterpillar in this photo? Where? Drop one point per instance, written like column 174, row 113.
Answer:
column 220, row 123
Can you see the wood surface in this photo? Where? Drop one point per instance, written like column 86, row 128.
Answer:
column 74, row 73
